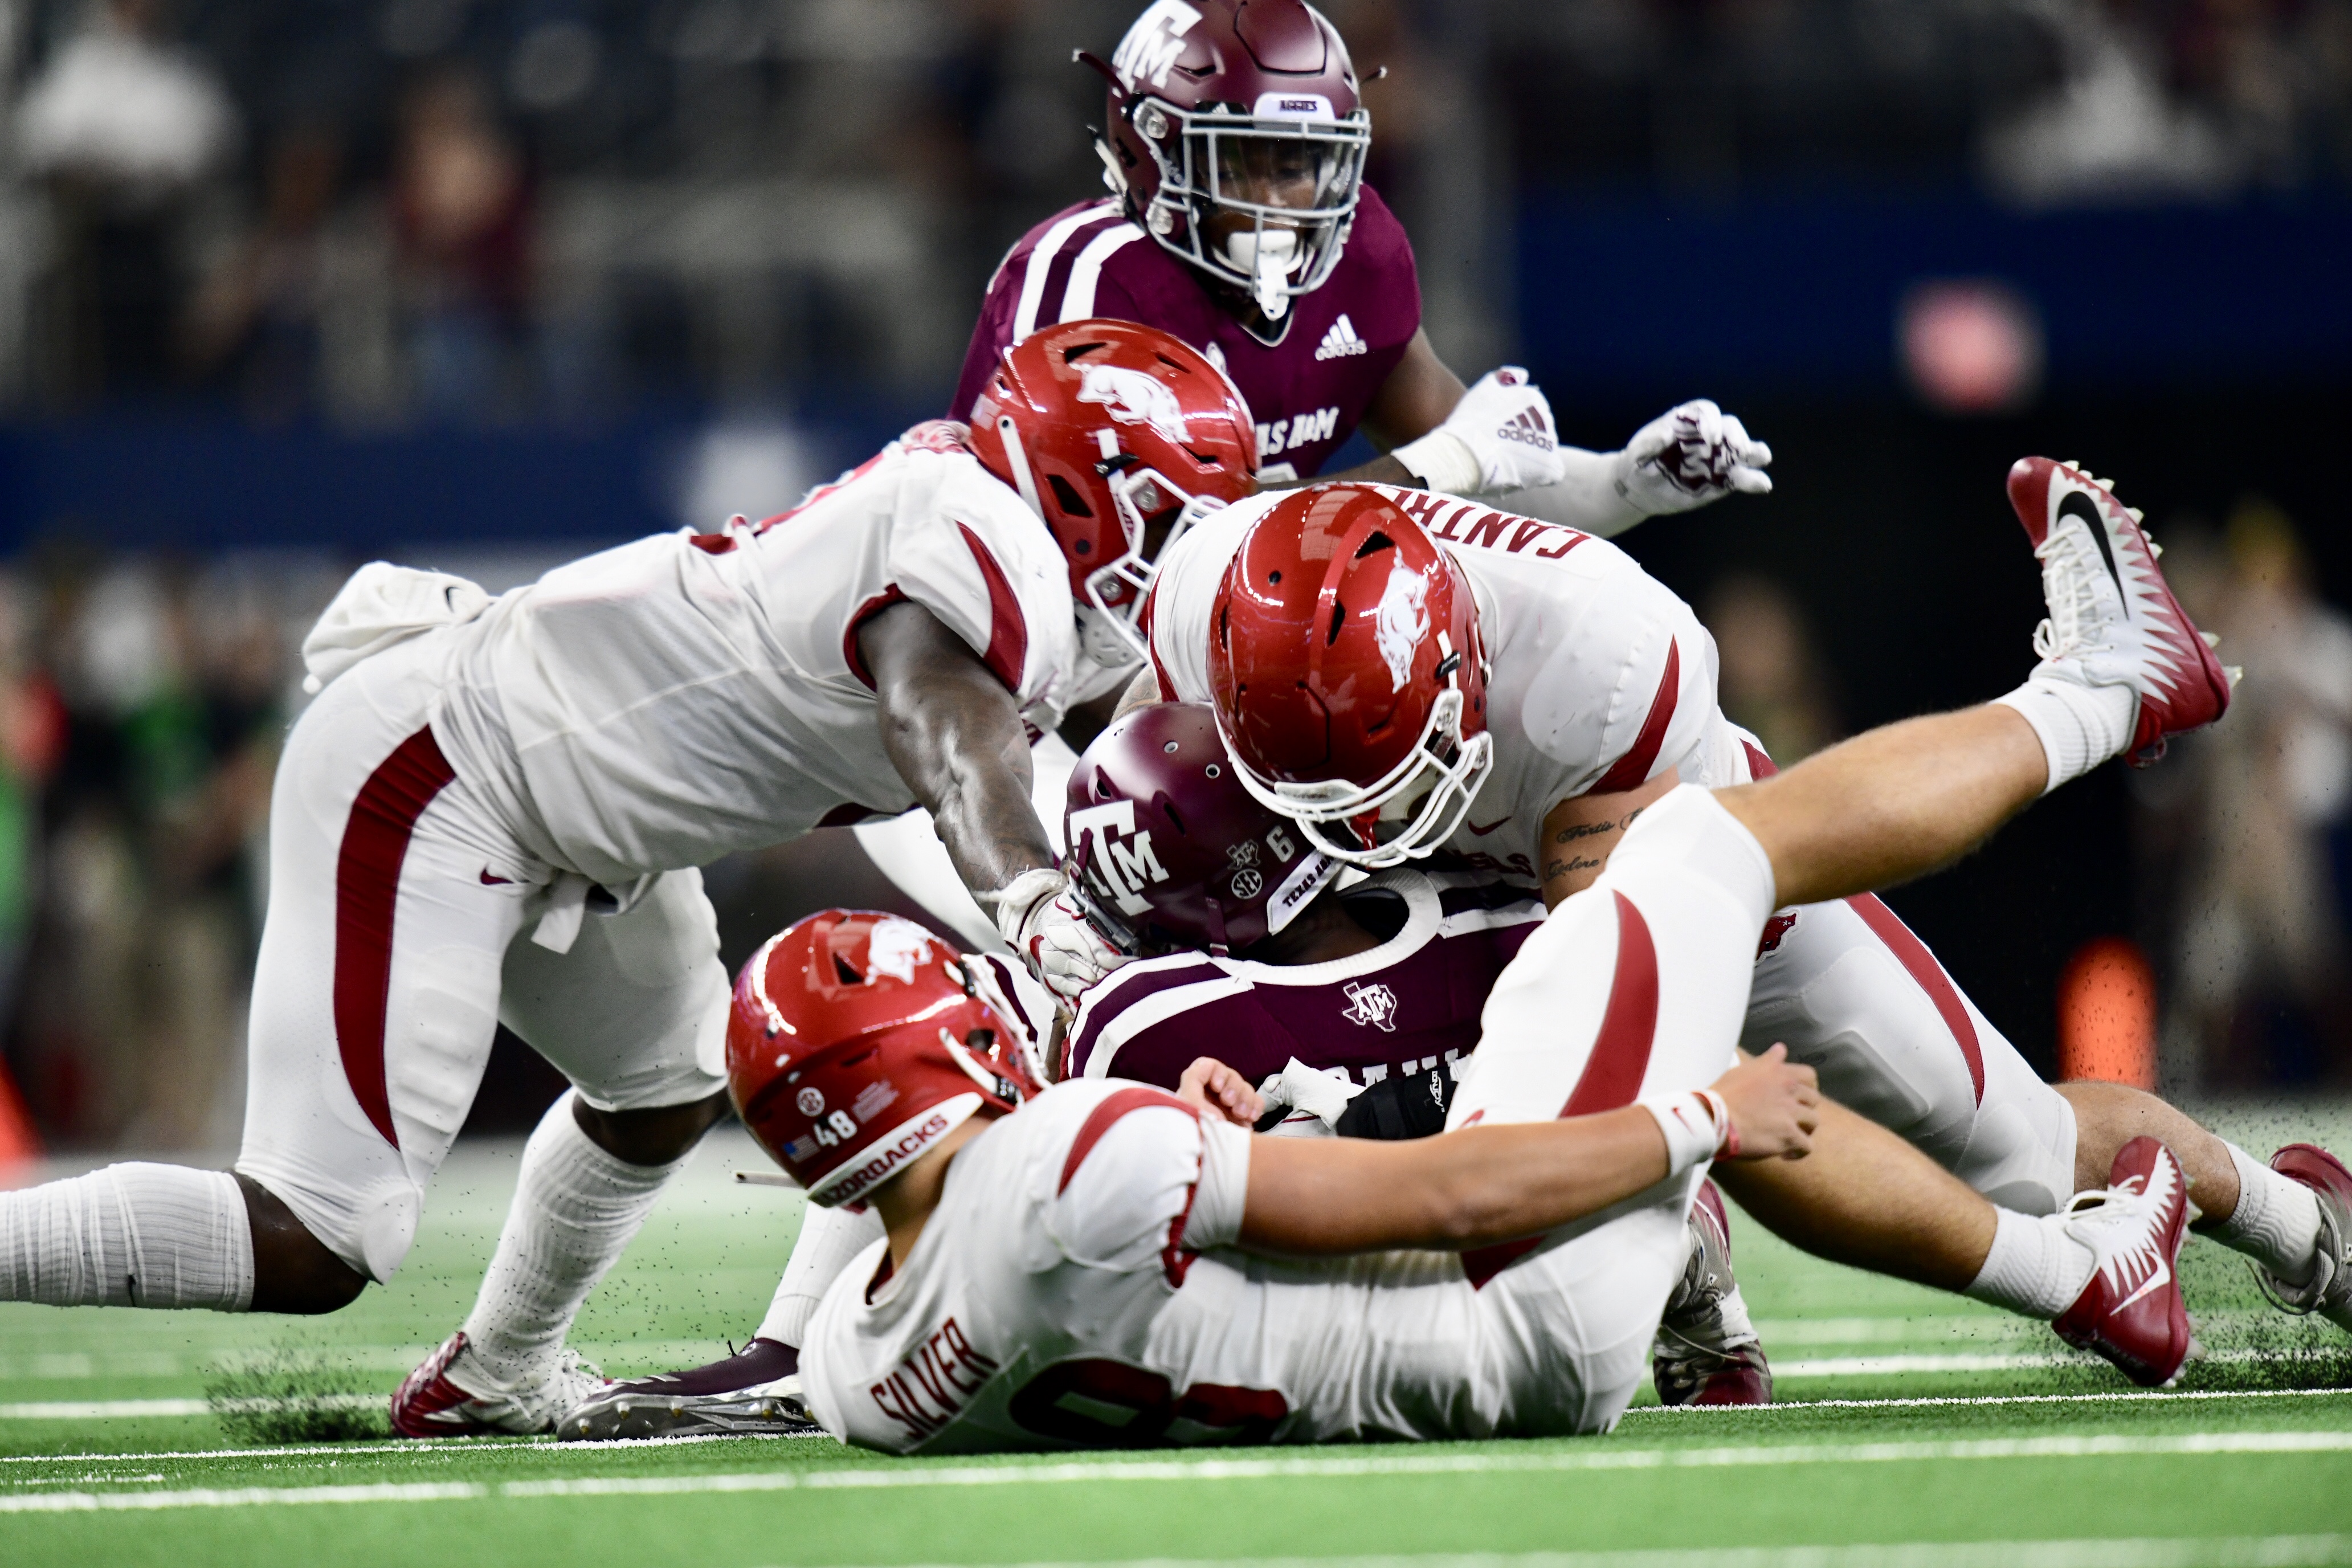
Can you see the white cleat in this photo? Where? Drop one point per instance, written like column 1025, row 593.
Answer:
column 2113, row 618
column 451, row 1396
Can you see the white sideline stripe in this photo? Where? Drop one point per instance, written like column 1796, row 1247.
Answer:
column 1600, row 1457
column 131, row 1409
column 1922, row 1401
column 2213, row 1551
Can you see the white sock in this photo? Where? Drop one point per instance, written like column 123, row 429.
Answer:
column 2035, row 1268
column 829, row 1240
column 129, row 1235
column 2276, row 1222
column 2079, row 726
column 575, row 1208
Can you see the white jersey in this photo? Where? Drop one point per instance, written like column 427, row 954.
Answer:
column 667, row 702
column 1600, row 678
column 1076, row 1288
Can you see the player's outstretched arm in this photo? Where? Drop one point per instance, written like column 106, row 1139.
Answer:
column 1893, row 802
column 955, row 735
column 1477, row 1185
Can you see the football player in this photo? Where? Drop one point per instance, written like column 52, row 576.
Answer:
column 1233, row 144
column 494, row 810
column 1114, row 1264
column 1404, row 675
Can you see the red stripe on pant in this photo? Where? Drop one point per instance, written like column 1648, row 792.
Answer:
column 1612, row 1074
column 1909, row 951
column 367, row 893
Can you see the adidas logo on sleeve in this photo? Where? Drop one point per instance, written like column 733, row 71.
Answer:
column 1341, row 340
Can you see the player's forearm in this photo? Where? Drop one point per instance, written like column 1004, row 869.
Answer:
column 1461, row 1190
column 955, row 736
column 1893, row 803
column 1586, row 497
column 1382, row 470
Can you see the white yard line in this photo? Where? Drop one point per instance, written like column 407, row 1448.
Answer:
column 2212, row 1552
column 1598, row 1456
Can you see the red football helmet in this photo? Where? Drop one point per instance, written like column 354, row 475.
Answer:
column 858, row 1040
column 1107, row 429
column 1235, row 137
column 1348, row 675
column 1169, row 850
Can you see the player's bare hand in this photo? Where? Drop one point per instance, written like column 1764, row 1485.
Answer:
column 1775, row 1105
column 1212, row 1086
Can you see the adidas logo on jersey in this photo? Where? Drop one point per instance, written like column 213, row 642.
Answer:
column 1341, row 340
column 1529, row 428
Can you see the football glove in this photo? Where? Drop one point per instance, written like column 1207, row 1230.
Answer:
column 1687, row 457
column 1499, row 437
column 1039, row 917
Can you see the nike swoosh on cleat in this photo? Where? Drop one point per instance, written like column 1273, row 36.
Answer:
column 2074, row 503
column 2156, row 1281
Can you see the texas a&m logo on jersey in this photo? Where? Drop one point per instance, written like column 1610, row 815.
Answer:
column 1122, row 865
column 1375, row 1004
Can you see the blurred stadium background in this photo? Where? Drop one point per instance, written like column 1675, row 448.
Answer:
column 287, row 285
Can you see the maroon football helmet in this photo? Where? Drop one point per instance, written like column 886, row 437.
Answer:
column 859, row 1040
column 1168, row 850
column 1235, row 135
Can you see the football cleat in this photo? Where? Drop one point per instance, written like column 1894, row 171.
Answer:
column 2132, row 1313
column 432, row 1401
column 2328, row 1291
column 2113, row 619
column 754, row 1392
column 1706, row 1351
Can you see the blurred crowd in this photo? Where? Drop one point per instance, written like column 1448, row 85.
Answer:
column 376, row 211
column 371, row 214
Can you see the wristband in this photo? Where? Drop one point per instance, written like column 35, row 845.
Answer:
column 1699, row 1128
column 1443, row 461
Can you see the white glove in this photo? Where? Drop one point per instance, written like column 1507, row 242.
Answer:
column 1688, row 456
column 1039, row 919
column 1499, row 437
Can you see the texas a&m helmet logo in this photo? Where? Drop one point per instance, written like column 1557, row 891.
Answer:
column 1375, row 1004
column 1122, row 864
column 1153, row 45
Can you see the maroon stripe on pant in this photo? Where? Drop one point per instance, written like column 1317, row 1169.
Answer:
column 367, row 891
column 1929, row 975
column 1613, row 1072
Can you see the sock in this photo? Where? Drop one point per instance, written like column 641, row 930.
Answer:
column 2035, row 1268
column 575, row 1208
column 2079, row 726
column 2276, row 1222
column 129, row 1235
column 829, row 1240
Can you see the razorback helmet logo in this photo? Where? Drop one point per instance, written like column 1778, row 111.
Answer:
column 1117, row 435
column 856, row 1042
column 1348, row 675
column 1132, row 397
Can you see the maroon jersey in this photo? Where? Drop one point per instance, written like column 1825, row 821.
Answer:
column 1403, row 1008
column 1306, row 392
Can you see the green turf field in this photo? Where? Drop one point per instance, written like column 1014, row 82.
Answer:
column 1921, row 1431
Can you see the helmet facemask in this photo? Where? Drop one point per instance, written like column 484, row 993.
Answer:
column 1404, row 815
column 1221, row 160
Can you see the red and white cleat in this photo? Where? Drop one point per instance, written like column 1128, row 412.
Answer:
column 1707, row 1352
column 432, row 1402
column 2328, row 1291
column 2113, row 618
column 2132, row 1313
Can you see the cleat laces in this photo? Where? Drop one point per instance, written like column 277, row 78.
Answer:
column 2112, row 1222
column 2069, row 585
